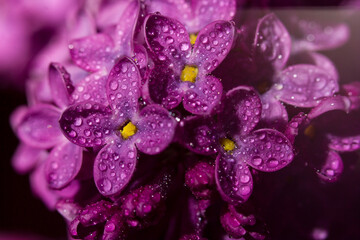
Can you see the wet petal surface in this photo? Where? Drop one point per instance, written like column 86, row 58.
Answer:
column 273, row 113
column 60, row 85
column 242, row 111
column 92, row 53
column 63, row 164
column 233, row 178
column 302, row 85
column 114, row 165
column 156, row 129
column 204, row 97
column 199, row 135
column 168, row 40
column 272, row 42
column 332, row 168
column 39, row 127
column 123, row 88
column 267, row 150
column 212, row 45
column 87, row 124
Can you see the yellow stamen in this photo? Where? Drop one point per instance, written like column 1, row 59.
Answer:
column 189, row 74
column 128, row 130
column 227, row 144
column 310, row 131
column 193, row 38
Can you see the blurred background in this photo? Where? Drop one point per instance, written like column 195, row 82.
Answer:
column 26, row 29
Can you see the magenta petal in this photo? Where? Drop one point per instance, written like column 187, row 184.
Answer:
column 168, row 40
column 325, row 63
column 123, row 87
column 332, row 168
column 39, row 128
column 267, row 150
column 303, row 85
column 26, row 157
column 212, row 45
column 163, row 88
column 272, row 42
column 206, row 12
column 199, row 135
column 123, row 38
column 233, row 178
column 87, row 124
column 92, row 53
column 316, row 37
column 273, row 113
column 114, row 166
column 156, row 129
column 353, row 91
column 292, row 128
column 140, row 57
column 17, row 115
column 344, row 143
column 63, row 164
column 60, row 85
column 242, row 111
column 91, row 88
column 204, row 97
column 330, row 104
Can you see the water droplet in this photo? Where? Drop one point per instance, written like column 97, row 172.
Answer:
column 244, row 178
column 245, row 190
column 78, row 122
column 104, row 185
column 114, row 85
column 110, row 227
column 257, row 161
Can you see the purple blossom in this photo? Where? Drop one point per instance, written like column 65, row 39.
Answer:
column 122, row 127
column 182, row 70
column 238, row 145
column 194, row 14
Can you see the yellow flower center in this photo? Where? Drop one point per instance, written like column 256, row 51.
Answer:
column 128, row 130
column 189, row 74
column 193, row 38
column 263, row 87
column 310, row 131
column 227, row 144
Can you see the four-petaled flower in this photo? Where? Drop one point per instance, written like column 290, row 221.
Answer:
column 122, row 127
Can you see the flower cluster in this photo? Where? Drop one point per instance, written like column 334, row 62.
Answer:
column 155, row 95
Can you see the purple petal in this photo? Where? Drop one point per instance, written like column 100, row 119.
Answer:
column 124, row 32
column 114, row 228
column 206, row 12
column 332, row 168
column 114, row 166
column 272, row 42
column 303, row 85
column 315, row 37
column 274, row 113
column 199, row 135
column 39, row 128
column 60, row 85
column 178, row 9
column 267, row 150
column 242, row 111
column 168, row 40
column 96, row 213
column 204, row 97
column 212, row 45
column 17, row 115
column 353, row 91
column 68, row 209
column 91, row 88
column 50, row 197
column 330, row 104
column 25, row 158
column 345, row 143
column 92, row 53
column 140, row 57
column 163, row 88
column 325, row 63
column 87, row 124
column 233, row 179
column 156, row 129
column 63, row 164
column 292, row 128
column 123, row 88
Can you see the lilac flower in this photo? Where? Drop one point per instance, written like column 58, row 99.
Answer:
column 38, row 129
column 194, row 14
column 181, row 71
column 322, row 138
column 238, row 145
column 122, row 128
column 201, row 179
